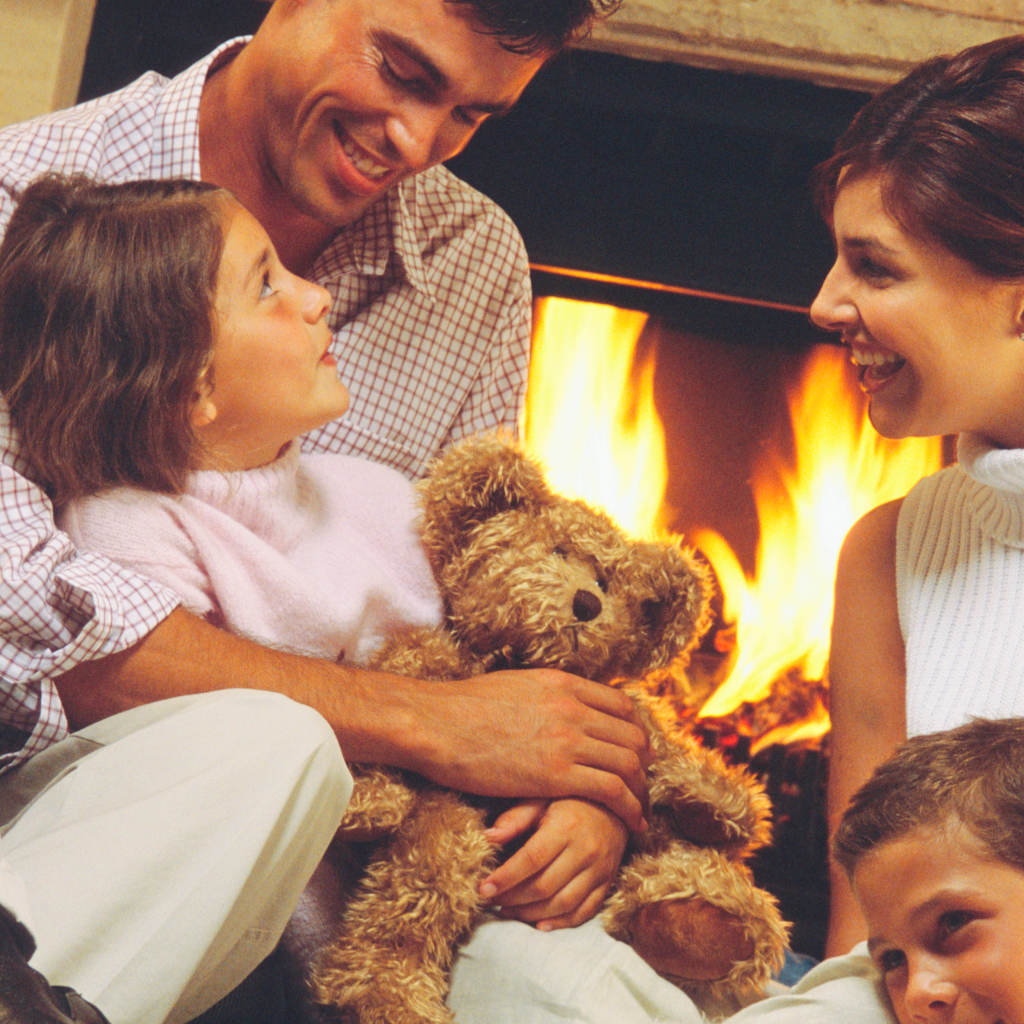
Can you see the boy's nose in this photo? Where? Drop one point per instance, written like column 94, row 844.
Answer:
column 930, row 996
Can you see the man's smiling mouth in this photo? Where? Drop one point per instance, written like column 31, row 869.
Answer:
column 365, row 165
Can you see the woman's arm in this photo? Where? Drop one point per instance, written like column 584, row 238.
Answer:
column 866, row 685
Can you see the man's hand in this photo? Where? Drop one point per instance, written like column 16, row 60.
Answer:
column 562, row 874
column 535, row 733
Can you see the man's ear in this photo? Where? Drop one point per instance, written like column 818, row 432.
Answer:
column 203, row 411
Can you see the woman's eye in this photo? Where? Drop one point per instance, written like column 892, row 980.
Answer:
column 872, row 271
column 265, row 288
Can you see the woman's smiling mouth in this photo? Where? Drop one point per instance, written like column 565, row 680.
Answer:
column 875, row 365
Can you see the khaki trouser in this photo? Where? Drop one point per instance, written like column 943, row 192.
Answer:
column 162, row 850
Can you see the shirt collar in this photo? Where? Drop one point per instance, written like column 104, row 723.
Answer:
column 175, row 152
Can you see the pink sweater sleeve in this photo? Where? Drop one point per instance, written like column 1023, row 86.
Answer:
column 141, row 531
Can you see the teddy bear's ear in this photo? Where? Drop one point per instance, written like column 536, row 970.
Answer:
column 471, row 482
column 674, row 588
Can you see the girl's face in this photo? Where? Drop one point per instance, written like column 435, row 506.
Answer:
column 938, row 344
column 946, row 927
column 272, row 376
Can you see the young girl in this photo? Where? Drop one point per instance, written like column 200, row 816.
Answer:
column 925, row 195
column 932, row 845
column 158, row 363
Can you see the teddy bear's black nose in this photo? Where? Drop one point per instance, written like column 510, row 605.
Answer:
column 586, row 606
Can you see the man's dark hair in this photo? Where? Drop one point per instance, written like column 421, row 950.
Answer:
column 106, row 327
column 534, row 27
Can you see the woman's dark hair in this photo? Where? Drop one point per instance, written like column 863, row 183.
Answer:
column 106, row 326
column 948, row 145
column 536, row 27
column 972, row 775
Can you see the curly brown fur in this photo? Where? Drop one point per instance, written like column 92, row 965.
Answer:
column 530, row 579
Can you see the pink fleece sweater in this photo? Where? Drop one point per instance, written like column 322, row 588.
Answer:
column 313, row 553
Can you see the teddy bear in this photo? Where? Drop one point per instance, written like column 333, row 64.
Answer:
column 530, row 578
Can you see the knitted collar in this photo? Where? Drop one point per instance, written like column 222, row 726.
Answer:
column 996, row 500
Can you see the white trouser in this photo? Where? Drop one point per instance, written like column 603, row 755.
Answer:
column 510, row 973
column 162, row 850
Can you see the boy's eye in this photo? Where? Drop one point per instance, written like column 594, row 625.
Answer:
column 890, row 960
column 952, row 921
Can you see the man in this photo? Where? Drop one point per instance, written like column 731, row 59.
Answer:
column 164, row 843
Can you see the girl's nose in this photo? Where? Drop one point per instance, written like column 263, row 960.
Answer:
column 832, row 309
column 317, row 301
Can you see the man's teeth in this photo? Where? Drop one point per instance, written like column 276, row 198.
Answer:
column 362, row 163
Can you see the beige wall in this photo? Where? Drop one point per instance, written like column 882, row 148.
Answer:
column 857, row 44
column 42, row 49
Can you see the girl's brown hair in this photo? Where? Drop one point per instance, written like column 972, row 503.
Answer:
column 973, row 775
column 948, row 144
column 106, row 326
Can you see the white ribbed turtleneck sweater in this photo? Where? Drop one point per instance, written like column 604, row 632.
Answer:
column 960, row 589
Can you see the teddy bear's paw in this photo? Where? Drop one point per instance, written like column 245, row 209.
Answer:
column 689, row 939
column 695, row 915
column 380, row 986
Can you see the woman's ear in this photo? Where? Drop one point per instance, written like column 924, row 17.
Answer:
column 203, row 411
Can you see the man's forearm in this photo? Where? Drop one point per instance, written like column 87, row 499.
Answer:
column 186, row 655
column 535, row 733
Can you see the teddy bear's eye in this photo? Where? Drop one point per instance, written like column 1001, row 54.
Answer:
column 602, row 584
column 561, row 552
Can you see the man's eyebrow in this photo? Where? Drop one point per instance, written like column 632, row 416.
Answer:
column 439, row 80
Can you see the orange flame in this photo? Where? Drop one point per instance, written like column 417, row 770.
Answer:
column 592, row 421
column 590, row 415
column 840, row 469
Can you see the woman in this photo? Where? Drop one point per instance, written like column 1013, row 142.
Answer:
column 925, row 195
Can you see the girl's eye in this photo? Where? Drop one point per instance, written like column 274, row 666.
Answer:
column 265, row 288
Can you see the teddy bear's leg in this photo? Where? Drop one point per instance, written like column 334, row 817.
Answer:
column 697, row 918
column 390, row 962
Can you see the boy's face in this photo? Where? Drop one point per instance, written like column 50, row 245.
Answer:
column 946, row 927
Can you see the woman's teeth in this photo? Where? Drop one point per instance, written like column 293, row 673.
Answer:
column 362, row 163
column 876, row 362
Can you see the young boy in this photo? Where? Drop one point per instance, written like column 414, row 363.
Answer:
column 933, row 845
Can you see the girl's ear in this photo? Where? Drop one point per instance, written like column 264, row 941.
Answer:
column 203, row 411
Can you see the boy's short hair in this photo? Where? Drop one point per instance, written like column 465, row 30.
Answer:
column 106, row 326
column 973, row 774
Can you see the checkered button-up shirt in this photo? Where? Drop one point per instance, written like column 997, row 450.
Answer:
column 431, row 322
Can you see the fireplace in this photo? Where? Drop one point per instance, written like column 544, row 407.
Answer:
column 666, row 213
column 675, row 248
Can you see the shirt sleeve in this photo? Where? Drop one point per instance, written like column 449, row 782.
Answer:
column 57, row 608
